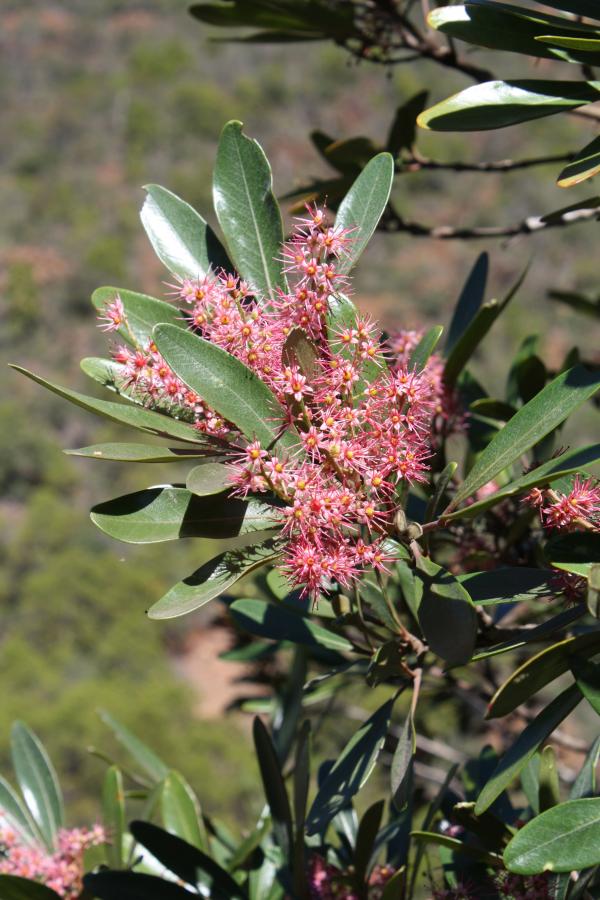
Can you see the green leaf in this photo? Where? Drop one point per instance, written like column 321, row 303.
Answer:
column 562, row 839
column 13, row 887
column 526, row 745
column 401, row 135
column 169, row 513
column 538, row 671
column 143, row 313
column 142, row 453
column 402, row 763
column 277, row 623
column 578, row 547
column 182, row 240
column 226, row 384
column 363, row 206
column 446, row 614
column 507, row 584
column 549, row 790
column 441, row 486
column 566, row 464
column 456, row 846
column 274, row 788
column 539, row 632
column 465, row 345
column 212, row 579
column 530, row 424
column 587, row 675
column 181, row 813
column 38, row 782
column 146, row 758
column 155, row 423
column 113, row 815
column 17, row 815
column 469, row 302
column 106, row 885
column 495, row 104
column 208, row 479
column 351, row 769
column 109, row 374
column 420, row 355
column 247, row 210
column 366, row 835
column 569, row 42
column 585, row 783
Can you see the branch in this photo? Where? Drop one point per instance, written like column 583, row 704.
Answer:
column 417, row 164
column 393, row 223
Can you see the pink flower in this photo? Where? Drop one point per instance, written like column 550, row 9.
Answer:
column 114, row 315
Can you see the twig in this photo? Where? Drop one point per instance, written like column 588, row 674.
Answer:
column 418, row 164
column 393, row 223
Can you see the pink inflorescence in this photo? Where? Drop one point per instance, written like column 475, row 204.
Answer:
column 62, row 871
column 506, row 885
column 363, row 418
column 327, row 882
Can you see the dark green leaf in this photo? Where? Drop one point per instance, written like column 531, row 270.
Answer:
column 585, row 783
column 538, row 671
column 225, row 383
column 143, row 313
column 469, row 340
column 469, row 302
column 187, row 862
column 299, row 350
column 169, row 513
column 144, row 757
column 12, row 887
column 402, row 763
column 181, row 811
column 549, row 788
column 269, row 620
column 132, row 886
column 351, row 769
column 580, row 547
column 402, row 131
column 274, row 788
column 142, row 453
column 584, row 165
column 456, row 846
column 562, row 839
column 126, row 414
column 441, row 485
column 365, row 842
column 507, row 585
column 420, row 355
column 212, row 579
column 587, row 675
column 38, row 782
column 529, row 425
column 182, row 240
column 539, row 632
column 526, row 745
column 113, row 815
column 446, row 614
column 363, row 206
column 247, row 210
column 495, row 104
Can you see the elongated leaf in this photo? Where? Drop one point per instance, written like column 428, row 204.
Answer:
column 182, row 240
column 582, row 547
column 471, row 298
column 456, row 846
column 446, row 614
column 247, row 210
column 526, row 745
column 278, row 623
column 126, row 414
column 402, row 763
column 13, row 887
column 566, row 464
column 109, row 374
column 562, row 839
column 366, row 836
column 132, row 886
column 142, row 453
column 549, row 787
column 420, row 355
column 441, row 486
column 181, row 812
column 584, row 165
column 212, row 579
column 351, row 769
column 529, row 425
column 38, row 782
column 495, row 104
column 364, row 204
column 146, row 758
column 169, row 513
column 17, row 815
column 469, row 340
column 143, row 313
column 587, row 675
column 187, row 862
column 113, row 815
column 225, row 383
column 585, row 783
column 507, row 585
column 529, row 635
column 274, row 788
column 540, row 670
column 209, row 479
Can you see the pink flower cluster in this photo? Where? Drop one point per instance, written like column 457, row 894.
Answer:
column 511, row 887
column 327, row 882
column 363, row 418
column 61, row 871
column 578, row 510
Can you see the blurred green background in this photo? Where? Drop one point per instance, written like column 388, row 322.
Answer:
column 98, row 98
